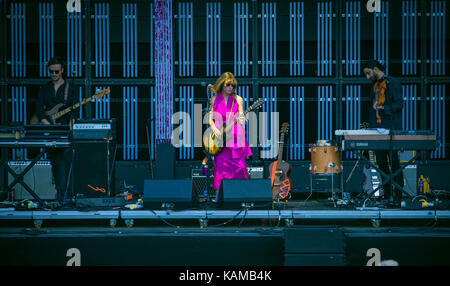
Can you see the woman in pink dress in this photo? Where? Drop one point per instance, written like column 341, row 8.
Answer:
column 226, row 106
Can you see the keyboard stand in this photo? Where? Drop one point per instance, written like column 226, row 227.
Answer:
column 388, row 178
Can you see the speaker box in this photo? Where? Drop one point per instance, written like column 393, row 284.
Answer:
column 92, row 169
column 39, row 178
column 165, row 161
column 245, row 193
column 169, row 194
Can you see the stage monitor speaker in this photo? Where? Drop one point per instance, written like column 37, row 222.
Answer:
column 165, row 161
column 245, row 193
column 169, row 194
column 39, row 178
column 92, row 169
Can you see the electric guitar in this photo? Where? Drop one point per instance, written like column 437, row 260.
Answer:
column 55, row 113
column 214, row 144
column 280, row 171
column 372, row 178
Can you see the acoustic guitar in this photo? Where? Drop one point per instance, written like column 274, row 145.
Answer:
column 280, row 170
column 55, row 113
column 214, row 144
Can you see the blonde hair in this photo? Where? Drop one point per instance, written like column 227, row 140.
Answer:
column 225, row 79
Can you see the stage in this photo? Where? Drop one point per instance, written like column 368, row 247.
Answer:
column 311, row 233
column 134, row 83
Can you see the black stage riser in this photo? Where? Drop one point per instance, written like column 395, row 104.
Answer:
column 232, row 247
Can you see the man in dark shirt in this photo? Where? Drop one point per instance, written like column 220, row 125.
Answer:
column 57, row 91
column 386, row 101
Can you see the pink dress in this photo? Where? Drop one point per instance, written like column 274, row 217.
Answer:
column 230, row 162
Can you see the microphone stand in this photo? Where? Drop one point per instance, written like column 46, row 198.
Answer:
column 209, row 167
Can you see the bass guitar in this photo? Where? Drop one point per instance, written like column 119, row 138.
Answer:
column 213, row 144
column 55, row 113
column 280, row 171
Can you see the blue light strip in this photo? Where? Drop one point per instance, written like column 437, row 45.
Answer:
column 185, row 38
column 241, row 39
column 297, row 123
column 437, row 37
column 130, row 93
column 381, row 35
column 269, row 94
column 269, row 38
column 186, row 107
column 213, row 39
column 296, row 39
column 409, row 37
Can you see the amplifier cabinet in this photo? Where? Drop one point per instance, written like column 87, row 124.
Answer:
column 39, row 178
column 93, row 170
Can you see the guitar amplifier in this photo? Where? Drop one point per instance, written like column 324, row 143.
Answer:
column 39, row 178
column 94, row 129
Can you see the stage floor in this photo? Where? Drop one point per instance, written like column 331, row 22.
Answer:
column 295, row 212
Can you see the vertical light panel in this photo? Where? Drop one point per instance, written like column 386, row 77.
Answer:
column 353, row 38
column 437, row 37
column 324, row 38
column 213, row 39
column 101, row 40
column 243, row 91
column 18, row 40
column 241, row 39
column 130, row 93
column 129, row 38
column 268, row 39
column 269, row 130
column 185, row 39
column 186, row 108
column 325, row 112
column 352, row 111
column 409, row 37
column 18, row 69
column 296, row 39
column 74, row 44
column 130, row 115
column 381, row 35
column 46, row 37
column 19, row 115
column 409, row 111
column 163, row 71
column 437, row 117
column 297, row 123
column 103, row 104
column 352, row 98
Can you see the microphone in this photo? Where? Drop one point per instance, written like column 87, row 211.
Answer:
column 209, row 86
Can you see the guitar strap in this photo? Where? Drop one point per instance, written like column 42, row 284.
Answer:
column 274, row 169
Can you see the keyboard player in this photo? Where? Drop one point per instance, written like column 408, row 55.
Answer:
column 386, row 112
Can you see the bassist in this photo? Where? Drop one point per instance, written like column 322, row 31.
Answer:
column 55, row 92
